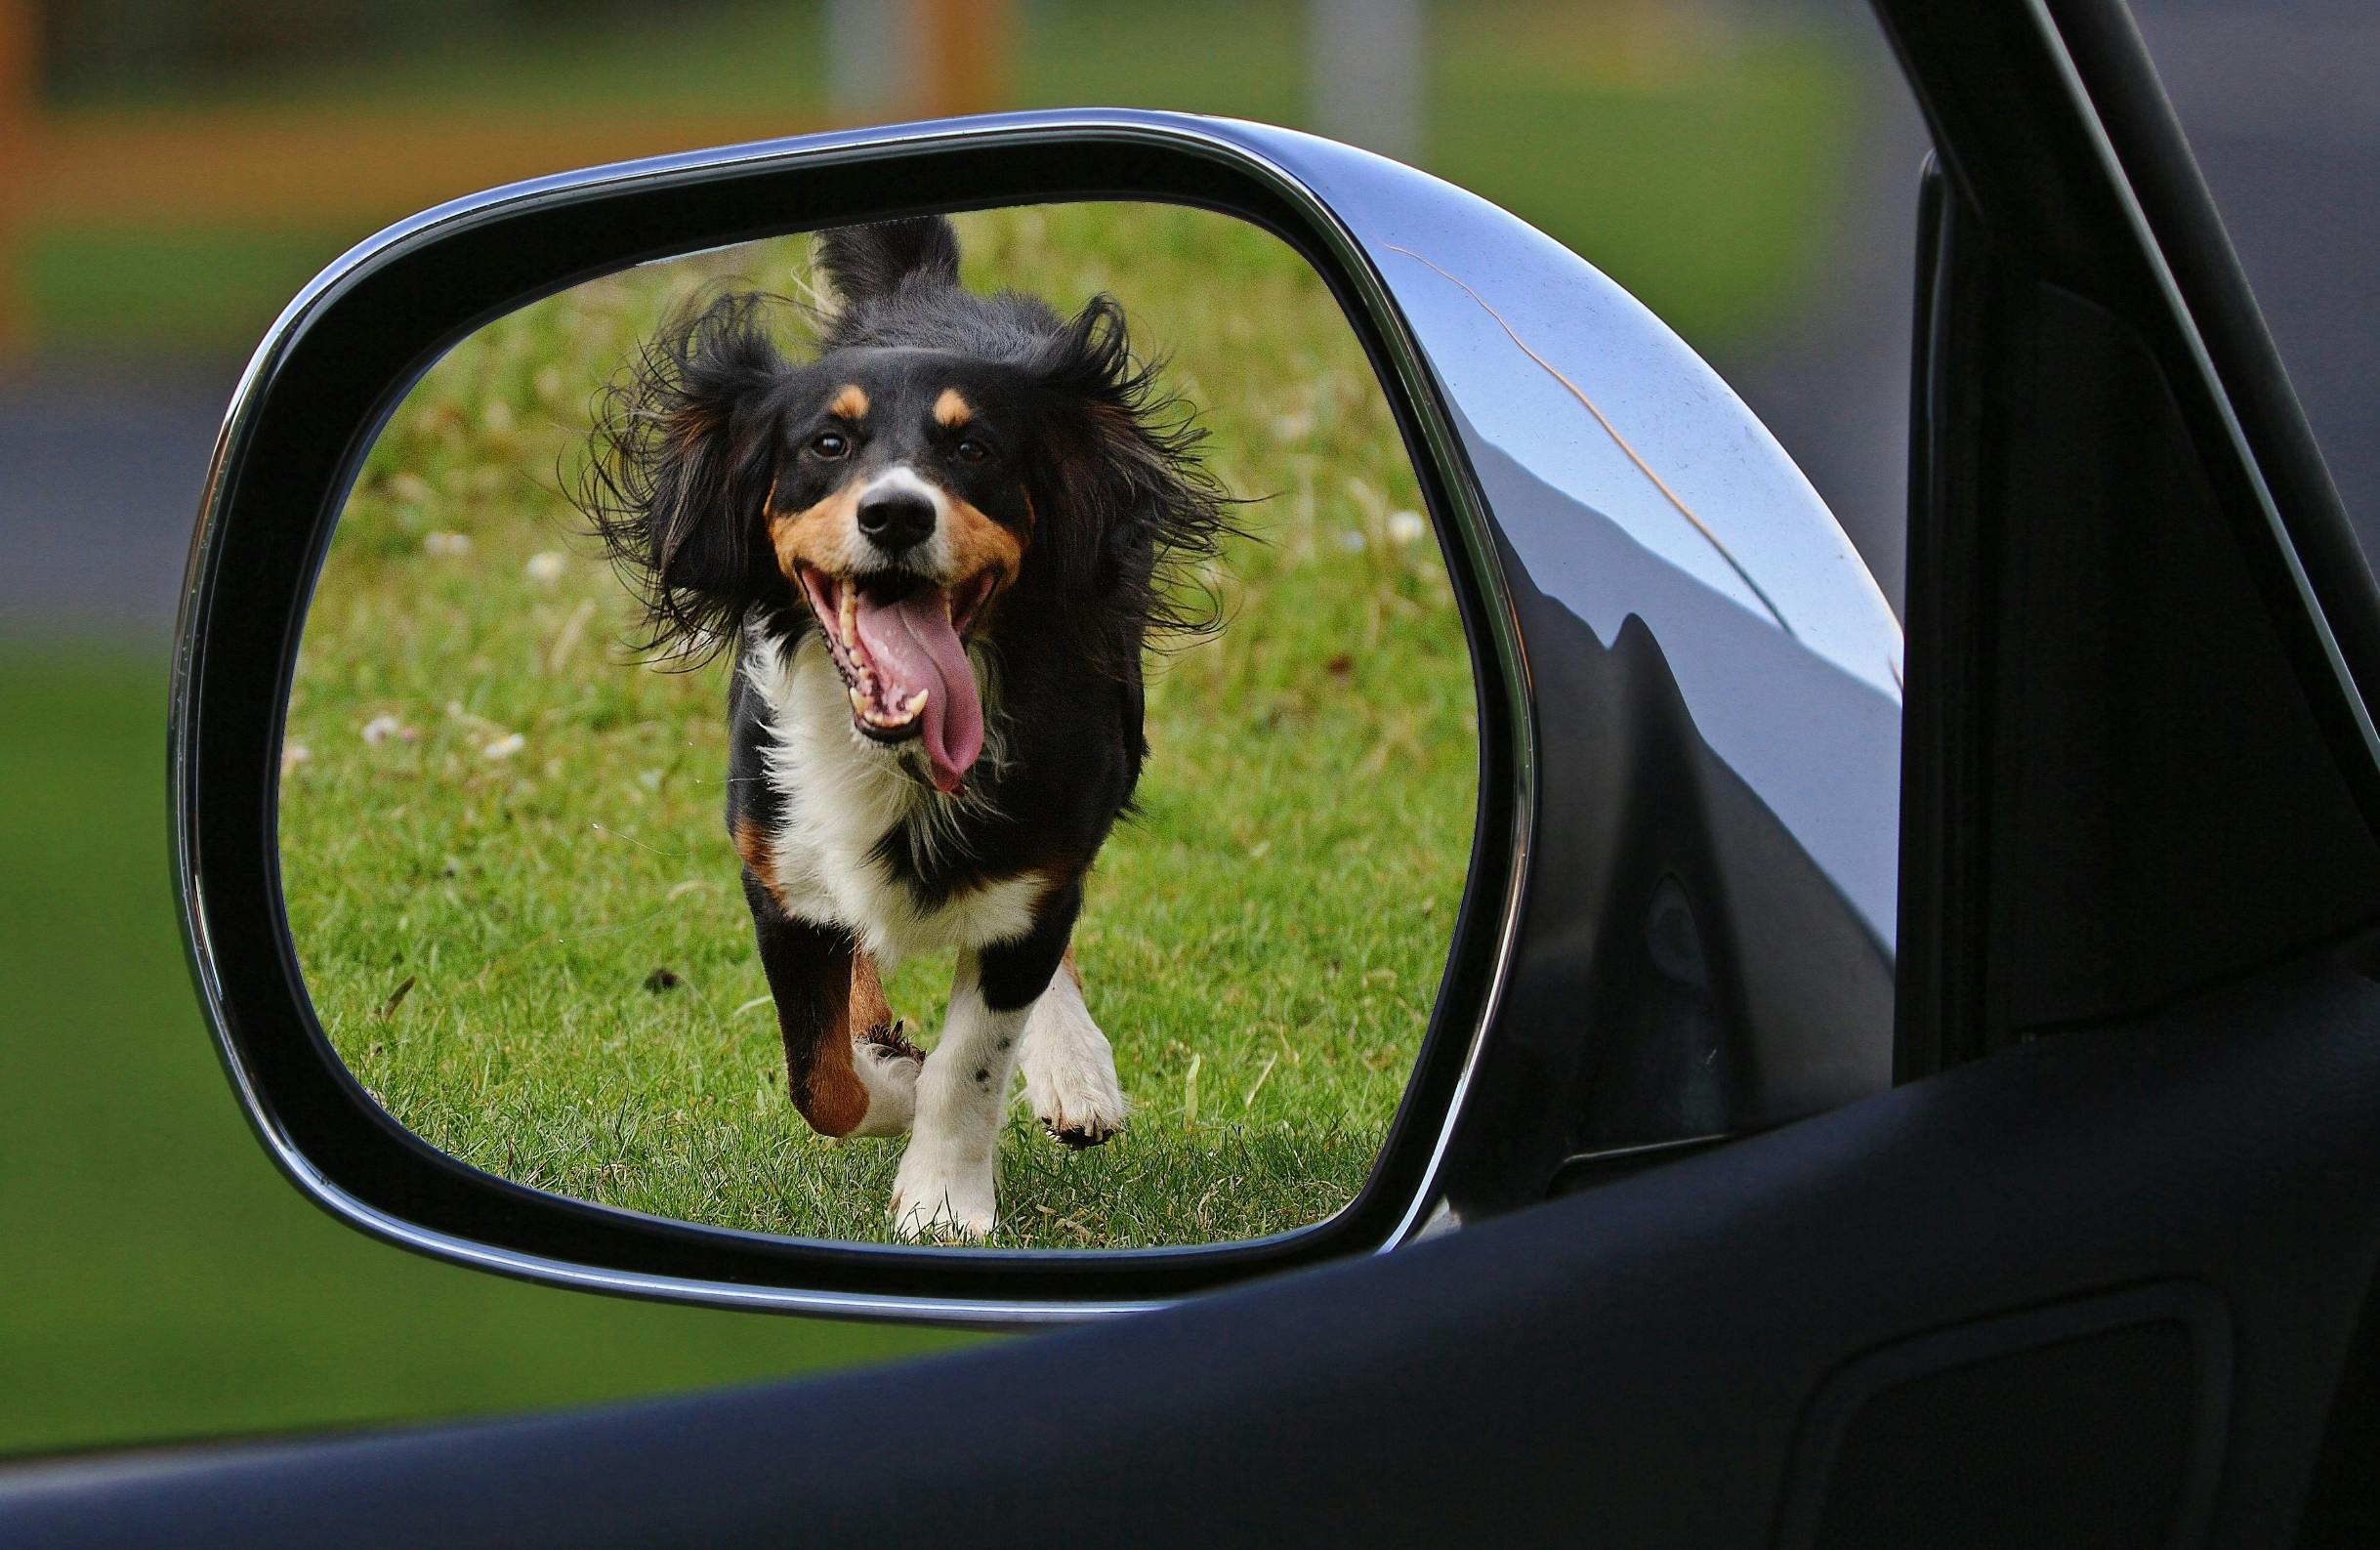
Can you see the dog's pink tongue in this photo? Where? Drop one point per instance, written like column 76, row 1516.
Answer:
column 912, row 646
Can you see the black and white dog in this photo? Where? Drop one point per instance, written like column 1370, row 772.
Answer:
column 936, row 550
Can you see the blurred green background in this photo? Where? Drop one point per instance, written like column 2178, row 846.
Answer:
column 170, row 173
column 1681, row 147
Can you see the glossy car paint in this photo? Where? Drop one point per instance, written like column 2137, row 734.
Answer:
column 1715, row 706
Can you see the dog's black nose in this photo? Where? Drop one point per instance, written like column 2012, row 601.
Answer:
column 896, row 522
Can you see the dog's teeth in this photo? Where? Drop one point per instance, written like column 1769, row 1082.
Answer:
column 899, row 717
column 850, row 612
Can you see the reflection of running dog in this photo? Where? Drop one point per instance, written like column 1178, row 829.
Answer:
column 936, row 549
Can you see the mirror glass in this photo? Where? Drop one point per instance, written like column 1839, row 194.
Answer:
column 953, row 731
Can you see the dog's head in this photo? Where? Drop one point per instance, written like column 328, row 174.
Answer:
column 950, row 467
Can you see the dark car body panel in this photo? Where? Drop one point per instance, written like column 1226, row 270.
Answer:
column 1635, row 1366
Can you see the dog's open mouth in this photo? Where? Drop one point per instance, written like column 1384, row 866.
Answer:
column 900, row 644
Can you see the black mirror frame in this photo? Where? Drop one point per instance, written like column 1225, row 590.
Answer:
column 314, row 398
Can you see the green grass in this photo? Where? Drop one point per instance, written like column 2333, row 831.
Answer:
column 160, row 1279
column 1697, row 164
column 1263, row 944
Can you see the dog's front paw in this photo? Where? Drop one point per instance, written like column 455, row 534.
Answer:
column 886, row 1063
column 932, row 1203
column 1070, row 1086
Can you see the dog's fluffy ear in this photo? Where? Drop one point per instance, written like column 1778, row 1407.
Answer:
column 868, row 262
column 1142, row 517
column 680, row 465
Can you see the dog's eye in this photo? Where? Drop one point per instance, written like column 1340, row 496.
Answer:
column 830, row 444
column 971, row 450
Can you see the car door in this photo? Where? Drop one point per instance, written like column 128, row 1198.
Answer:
column 2098, row 1269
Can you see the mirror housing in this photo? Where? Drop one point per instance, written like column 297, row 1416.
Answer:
column 1678, row 919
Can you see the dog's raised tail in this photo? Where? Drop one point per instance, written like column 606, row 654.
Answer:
column 869, row 263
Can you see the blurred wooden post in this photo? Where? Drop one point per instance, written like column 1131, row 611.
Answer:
column 20, row 122
column 963, row 49
column 863, row 59
column 1366, row 65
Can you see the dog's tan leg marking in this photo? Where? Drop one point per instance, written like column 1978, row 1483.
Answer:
column 759, row 856
column 818, row 1069
column 869, row 1010
column 1070, row 1070
column 882, row 1056
column 857, row 1076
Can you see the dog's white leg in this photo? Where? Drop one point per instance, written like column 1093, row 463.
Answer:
column 1070, row 1071
column 947, row 1183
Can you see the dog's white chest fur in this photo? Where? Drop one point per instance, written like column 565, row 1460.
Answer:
column 841, row 794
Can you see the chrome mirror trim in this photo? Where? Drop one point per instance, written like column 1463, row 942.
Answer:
column 1662, row 498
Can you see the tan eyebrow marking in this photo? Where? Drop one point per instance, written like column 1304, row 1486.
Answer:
column 849, row 401
column 950, row 409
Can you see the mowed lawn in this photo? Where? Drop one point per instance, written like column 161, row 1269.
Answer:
column 515, row 901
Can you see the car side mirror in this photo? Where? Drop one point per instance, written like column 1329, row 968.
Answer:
column 1676, row 921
